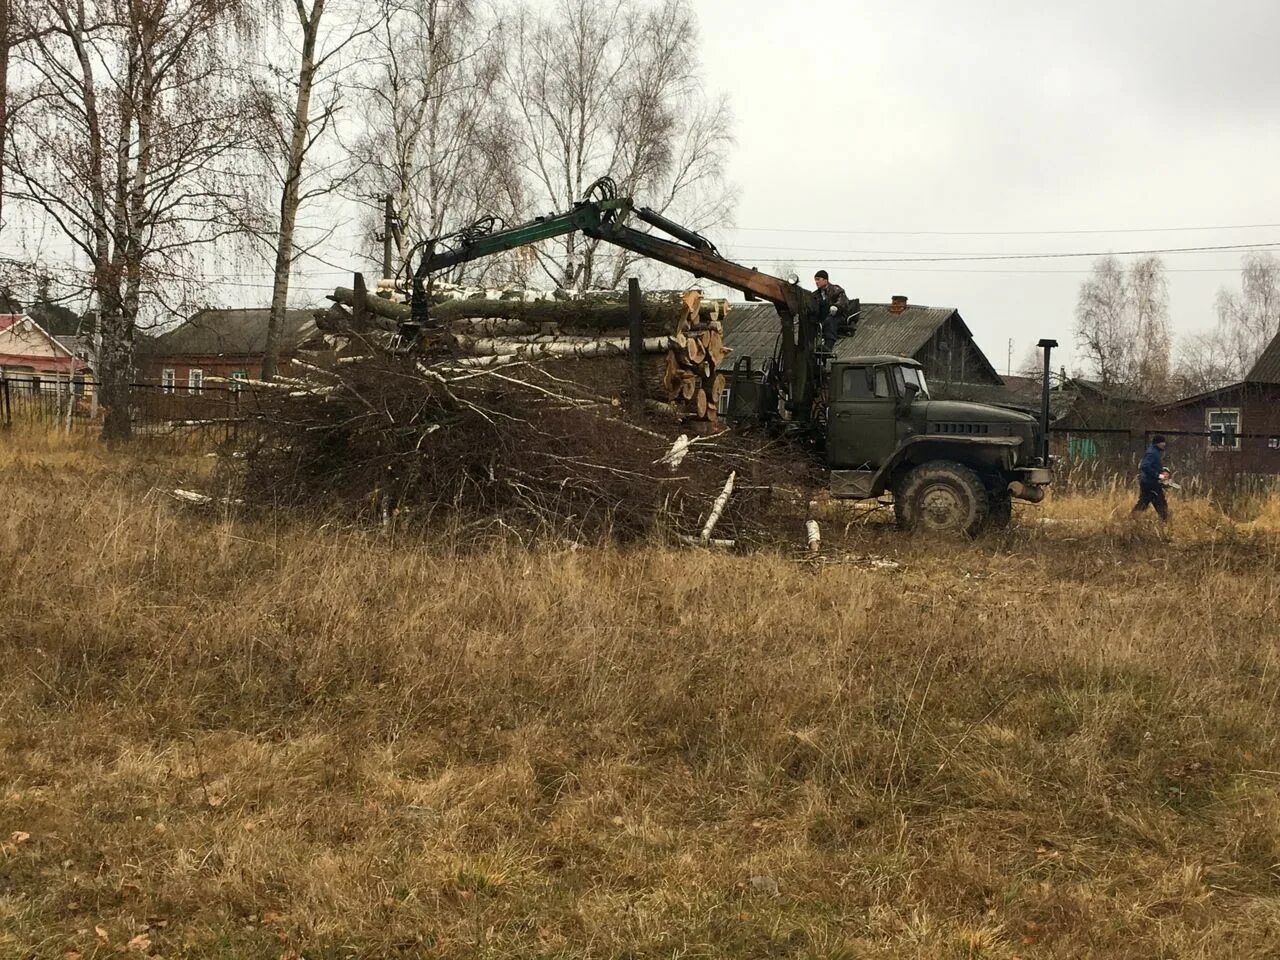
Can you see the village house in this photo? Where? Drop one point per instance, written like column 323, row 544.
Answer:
column 35, row 360
column 227, row 344
column 937, row 337
column 1233, row 429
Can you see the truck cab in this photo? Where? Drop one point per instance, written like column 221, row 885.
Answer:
column 950, row 464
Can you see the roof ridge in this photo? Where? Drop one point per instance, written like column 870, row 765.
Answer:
column 1266, row 369
column 27, row 318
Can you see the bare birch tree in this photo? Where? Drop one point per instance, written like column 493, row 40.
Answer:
column 1122, row 326
column 435, row 137
column 1103, row 333
column 16, row 28
column 1148, row 301
column 1247, row 323
column 1250, row 320
column 7, row 42
column 302, row 126
column 133, row 148
column 613, row 88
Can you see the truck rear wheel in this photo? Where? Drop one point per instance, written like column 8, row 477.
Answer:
column 942, row 497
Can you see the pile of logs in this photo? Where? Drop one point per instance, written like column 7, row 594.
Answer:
column 490, row 328
column 693, row 376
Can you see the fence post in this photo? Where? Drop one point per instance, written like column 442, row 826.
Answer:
column 5, row 411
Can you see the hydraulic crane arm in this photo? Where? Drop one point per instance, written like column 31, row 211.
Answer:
column 605, row 220
column 603, row 215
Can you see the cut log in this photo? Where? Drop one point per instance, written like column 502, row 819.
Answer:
column 813, row 535
column 692, row 302
column 717, row 508
column 670, row 374
column 716, row 350
column 493, row 327
column 717, row 388
column 699, row 542
column 682, row 382
column 693, row 350
column 677, row 453
column 585, row 314
column 333, row 321
column 700, row 401
column 558, row 347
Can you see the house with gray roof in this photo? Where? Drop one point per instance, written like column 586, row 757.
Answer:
column 219, row 343
column 937, row 337
column 1231, row 429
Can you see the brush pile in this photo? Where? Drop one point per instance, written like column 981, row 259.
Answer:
column 533, row 441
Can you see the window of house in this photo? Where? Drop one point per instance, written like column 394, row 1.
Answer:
column 195, row 380
column 167, row 378
column 1224, row 429
column 1273, row 443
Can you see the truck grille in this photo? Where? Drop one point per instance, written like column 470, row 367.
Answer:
column 958, row 428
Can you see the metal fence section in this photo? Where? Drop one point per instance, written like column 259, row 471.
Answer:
column 204, row 416
column 1201, row 461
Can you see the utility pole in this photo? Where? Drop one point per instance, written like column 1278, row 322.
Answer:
column 1008, row 364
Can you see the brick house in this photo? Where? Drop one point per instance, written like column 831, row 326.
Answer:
column 1232, row 429
column 219, row 343
column 31, row 356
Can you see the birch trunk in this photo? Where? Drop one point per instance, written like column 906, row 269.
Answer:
column 560, row 348
column 289, row 196
column 5, row 43
column 587, row 314
column 718, row 507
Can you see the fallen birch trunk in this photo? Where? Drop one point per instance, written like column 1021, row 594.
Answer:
column 493, row 327
column 699, row 542
column 676, row 454
column 585, row 313
column 281, row 384
column 718, row 507
column 813, row 535
column 558, row 347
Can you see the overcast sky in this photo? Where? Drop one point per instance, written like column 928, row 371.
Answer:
column 856, row 118
column 871, row 130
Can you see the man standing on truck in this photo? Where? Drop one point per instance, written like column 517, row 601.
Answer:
column 833, row 307
column 1150, row 484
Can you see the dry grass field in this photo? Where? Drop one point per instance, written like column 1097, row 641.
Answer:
column 248, row 738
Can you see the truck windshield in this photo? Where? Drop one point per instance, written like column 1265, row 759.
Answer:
column 916, row 376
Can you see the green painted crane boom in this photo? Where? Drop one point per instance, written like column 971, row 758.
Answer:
column 604, row 216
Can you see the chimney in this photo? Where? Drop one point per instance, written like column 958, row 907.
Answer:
column 899, row 304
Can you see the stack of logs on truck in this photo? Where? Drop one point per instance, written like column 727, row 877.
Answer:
column 683, row 333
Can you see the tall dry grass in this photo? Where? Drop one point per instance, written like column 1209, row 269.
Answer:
column 227, row 737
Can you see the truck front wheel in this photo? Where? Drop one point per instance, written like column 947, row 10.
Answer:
column 942, row 497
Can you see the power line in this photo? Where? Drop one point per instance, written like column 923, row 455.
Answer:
column 1005, row 233
column 762, row 248
column 927, row 257
column 1239, row 247
column 1010, row 270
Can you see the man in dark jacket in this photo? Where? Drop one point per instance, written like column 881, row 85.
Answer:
column 833, row 307
column 1150, row 485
